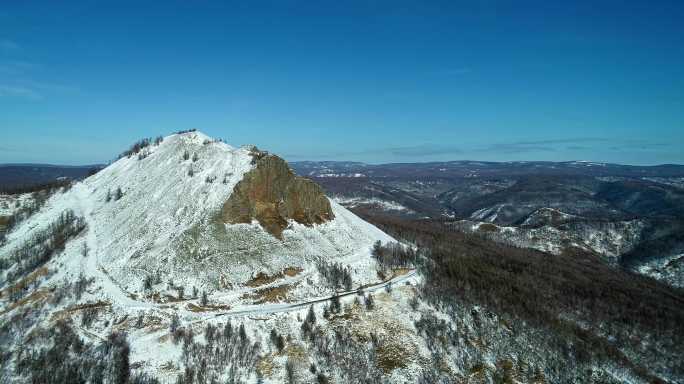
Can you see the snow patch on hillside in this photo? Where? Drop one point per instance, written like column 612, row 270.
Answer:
column 9, row 204
column 387, row 205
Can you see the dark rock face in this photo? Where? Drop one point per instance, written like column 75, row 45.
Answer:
column 272, row 194
column 4, row 221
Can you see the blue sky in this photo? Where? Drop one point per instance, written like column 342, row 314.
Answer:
column 370, row 81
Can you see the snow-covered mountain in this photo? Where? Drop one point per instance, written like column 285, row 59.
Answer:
column 190, row 261
column 155, row 229
column 158, row 212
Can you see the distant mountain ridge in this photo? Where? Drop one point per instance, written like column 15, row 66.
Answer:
column 18, row 174
column 629, row 215
column 34, row 173
column 468, row 168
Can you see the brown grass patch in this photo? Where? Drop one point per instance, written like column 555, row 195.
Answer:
column 344, row 316
column 80, row 307
column 390, row 357
column 270, row 295
column 153, row 323
column 26, row 281
column 349, row 313
column 34, row 297
column 292, row 271
column 478, row 370
column 4, row 220
column 296, row 352
column 263, row 279
column 166, row 298
column 381, row 275
column 400, row 272
column 172, row 299
column 264, row 366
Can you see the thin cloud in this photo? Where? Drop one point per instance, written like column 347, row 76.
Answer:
column 8, row 149
column 565, row 141
column 48, row 87
column 18, row 79
column 8, row 45
column 16, row 67
column 525, row 147
column 574, row 144
column 19, row 92
column 511, row 148
column 453, row 71
column 423, row 150
column 33, row 90
column 420, row 150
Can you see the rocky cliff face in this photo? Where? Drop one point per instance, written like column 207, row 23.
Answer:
column 272, row 194
column 4, row 220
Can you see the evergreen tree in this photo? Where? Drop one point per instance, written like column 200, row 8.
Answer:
column 370, row 303
column 175, row 323
column 311, row 316
column 227, row 331
column 243, row 334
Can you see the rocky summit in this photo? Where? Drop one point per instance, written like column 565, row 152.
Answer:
column 272, row 194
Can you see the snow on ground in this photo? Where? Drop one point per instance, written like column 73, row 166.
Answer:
column 667, row 269
column 164, row 223
column 387, row 205
column 9, row 204
column 609, row 239
column 353, row 175
column 488, row 214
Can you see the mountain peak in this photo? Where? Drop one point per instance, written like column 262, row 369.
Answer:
column 272, row 194
column 198, row 212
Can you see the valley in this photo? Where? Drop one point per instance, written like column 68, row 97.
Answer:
column 630, row 216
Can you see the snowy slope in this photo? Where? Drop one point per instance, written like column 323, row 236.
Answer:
column 166, row 224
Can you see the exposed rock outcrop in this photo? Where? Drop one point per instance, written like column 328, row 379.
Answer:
column 272, row 194
column 4, row 222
